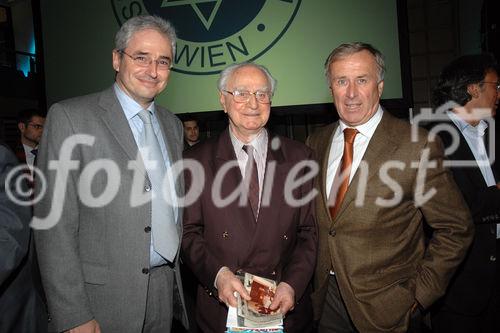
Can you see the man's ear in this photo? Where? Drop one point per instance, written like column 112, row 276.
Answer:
column 21, row 126
column 117, row 58
column 473, row 89
column 380, row 87
column 222, row 100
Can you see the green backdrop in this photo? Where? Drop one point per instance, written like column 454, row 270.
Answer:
column 78, row 40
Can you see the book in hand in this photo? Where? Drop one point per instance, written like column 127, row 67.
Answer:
column 255, row 313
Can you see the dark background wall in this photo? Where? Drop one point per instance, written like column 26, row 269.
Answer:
column 437, row 32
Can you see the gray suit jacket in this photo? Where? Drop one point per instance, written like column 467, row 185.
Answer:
column 94, row 260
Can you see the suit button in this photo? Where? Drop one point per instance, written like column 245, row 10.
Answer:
column 273, row 273
column 493, row 258
column 285, row 237
column 147, row 188
column 147, row 229
column 145, row 271
column 333, row 232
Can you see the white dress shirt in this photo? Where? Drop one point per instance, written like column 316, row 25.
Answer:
column 474, row 137
column 361, row 142
column 30, row 157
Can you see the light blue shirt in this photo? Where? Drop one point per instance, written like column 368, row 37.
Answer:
column 131, row 109
column 474, row 137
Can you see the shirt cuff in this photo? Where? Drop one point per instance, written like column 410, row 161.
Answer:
column 222, row 269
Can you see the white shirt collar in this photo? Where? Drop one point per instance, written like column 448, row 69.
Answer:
column 464, row 126
column 258, row 142
column 130, row 107
column 367, row 129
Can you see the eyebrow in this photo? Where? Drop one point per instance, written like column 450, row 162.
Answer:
column 264, row 88
column 345, row 77
column 141, row 53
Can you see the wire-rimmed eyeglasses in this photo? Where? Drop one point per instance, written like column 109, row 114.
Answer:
column 145, row 60
column 243, row 96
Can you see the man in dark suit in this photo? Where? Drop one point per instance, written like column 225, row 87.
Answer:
column 30, row 123
column 108, row 239
column 191, row 131
column 471, row 84
column 260, row 230
column 21, row 307
column 377, row 183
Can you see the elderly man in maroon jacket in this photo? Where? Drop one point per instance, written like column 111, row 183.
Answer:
column 272, row 234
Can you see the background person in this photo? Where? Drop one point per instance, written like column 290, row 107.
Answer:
column 21, row 305
column 191, row 131
column 30, row 123
column 471, row 300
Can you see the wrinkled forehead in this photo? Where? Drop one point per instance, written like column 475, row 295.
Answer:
column 248, row 77
column 362, row 60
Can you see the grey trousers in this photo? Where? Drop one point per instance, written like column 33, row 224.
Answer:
column 159, row 303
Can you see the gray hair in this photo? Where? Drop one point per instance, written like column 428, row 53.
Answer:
column 348, row 49
column 138, row 23
column 229, row 71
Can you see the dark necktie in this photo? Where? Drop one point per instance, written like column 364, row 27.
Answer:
column 345, row 170
column 35, row 153
column 252, row 179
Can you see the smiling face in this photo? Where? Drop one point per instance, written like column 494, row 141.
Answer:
column 143, row 84
column 247, row 119
column 355, row 87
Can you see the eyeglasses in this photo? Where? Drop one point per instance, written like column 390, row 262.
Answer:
column 145, row 61
column 495, row 83
column 36, row 126
column 243, row 96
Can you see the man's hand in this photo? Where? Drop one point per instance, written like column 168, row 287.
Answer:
column 498, row 185
column 284, row 299
column 89, row 327
column 227, row 283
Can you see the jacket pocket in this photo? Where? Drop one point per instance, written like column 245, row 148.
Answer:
column 95, row 274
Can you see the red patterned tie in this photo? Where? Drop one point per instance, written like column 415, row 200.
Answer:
column 252, row 177
column 345, row 170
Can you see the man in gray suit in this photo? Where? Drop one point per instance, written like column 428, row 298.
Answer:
column 108, row 236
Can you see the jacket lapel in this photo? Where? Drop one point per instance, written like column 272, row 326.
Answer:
column 225, row 154
column 274, row 181
column 381, row 147
column 173, row 145
column 464, row 153
column 324, row 152
column 168, row 135
column 272, row 191
column 117, row 123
